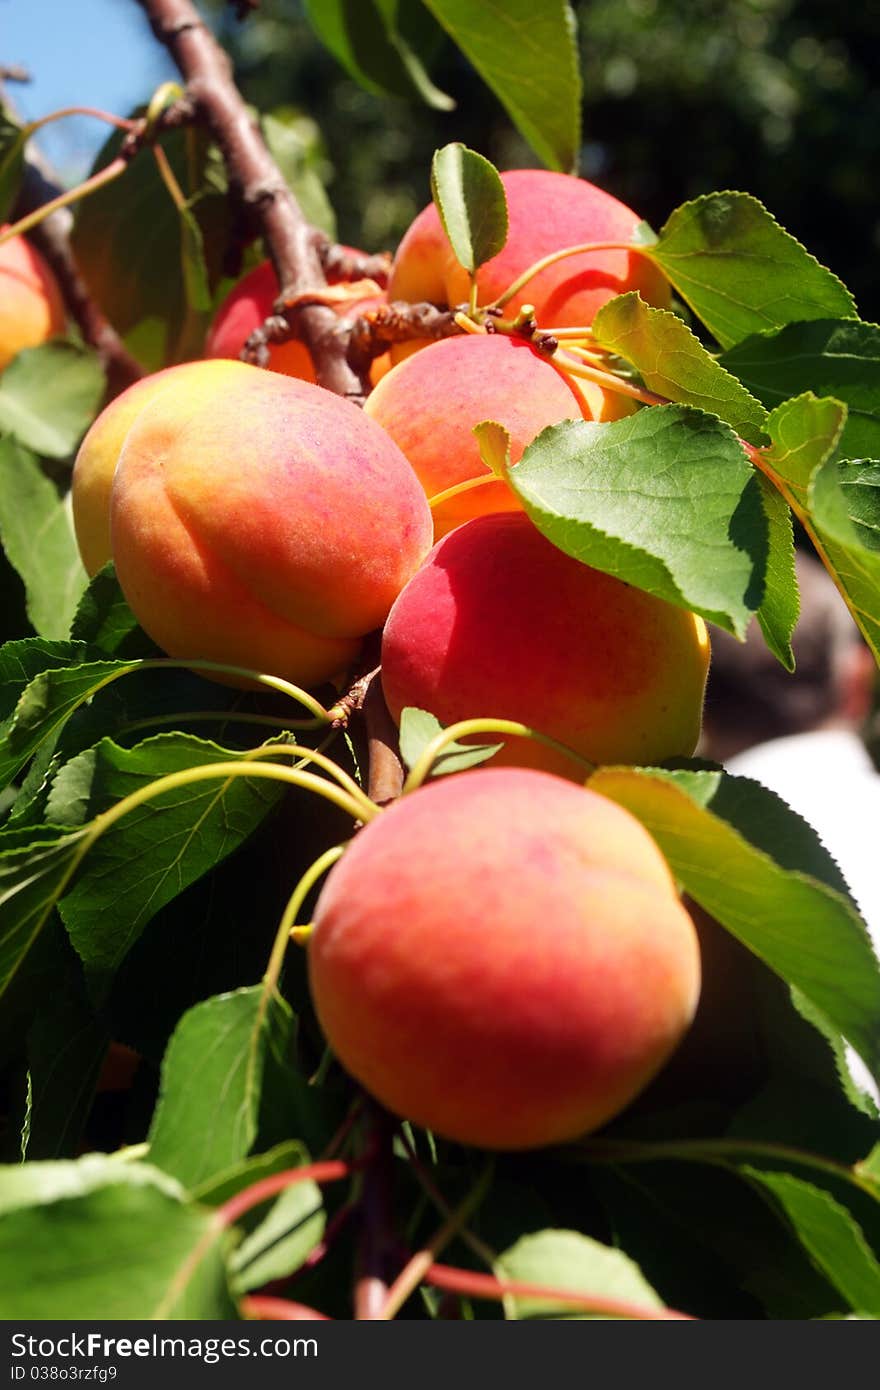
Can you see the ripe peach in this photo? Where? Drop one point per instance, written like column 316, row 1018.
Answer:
column 547, row 212
column 502, row 957
column 430, row 403
column 100, row 449
column 263, row 522
column 31, row 308
column 250, row 303
column 499, row 622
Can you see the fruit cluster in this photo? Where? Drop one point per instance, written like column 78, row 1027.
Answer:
column 502, row 955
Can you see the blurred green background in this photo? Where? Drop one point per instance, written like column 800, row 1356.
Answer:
column 776, row 97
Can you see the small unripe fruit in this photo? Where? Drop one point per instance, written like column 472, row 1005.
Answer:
column 547, row 212
column 502, row 957
column 31, row 307
column 498, row 622
column 262, row 522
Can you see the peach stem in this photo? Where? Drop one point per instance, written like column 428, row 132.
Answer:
column 545, row 261
column 258, row 1308
column 73, row 195
column 464, row 1281
column 432, row 750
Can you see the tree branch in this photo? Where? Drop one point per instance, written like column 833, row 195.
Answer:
column 257, row 180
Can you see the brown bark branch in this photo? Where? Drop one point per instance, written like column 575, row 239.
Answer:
column 258, row 182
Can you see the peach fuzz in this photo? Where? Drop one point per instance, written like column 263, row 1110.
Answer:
column 502, row 957
column 547, row 212
column 251, row 302
column 263, row 522
column 31, row 308
column 430, row 403
column 500, row 623
column 100, row 449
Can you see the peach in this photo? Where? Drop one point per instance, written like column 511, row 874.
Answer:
column 500, row 623
column 250, row 303
column 547, row 212
column 430, row 403
column 31, row 307
column 260, row 521
column 100, row 449
column 502, row 957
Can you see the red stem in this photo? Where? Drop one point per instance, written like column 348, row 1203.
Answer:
column 262, row 1309
column 471, row 1285
column 330, row 1170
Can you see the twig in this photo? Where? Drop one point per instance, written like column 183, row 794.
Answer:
column 341, row 263
column 256, row 178
column 398, row 322
column 385, row 781
column 375, row 1250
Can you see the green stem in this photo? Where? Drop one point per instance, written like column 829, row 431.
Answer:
column 722, row 1152
column 545, row 261
column 73, row 195
column 414, row 1272
column 465, row 727
column 450, row 492
column 607, row 379
column 217, row 717
column 369, row 809
column 178, row 197
column 295, row 902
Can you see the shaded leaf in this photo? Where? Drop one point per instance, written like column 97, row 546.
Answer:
column 472, row 204
column 369, row 40
column 296, row 162
column 762, row 872
column 569, row 1260
column 49, row 396
column 217, row 1051
column 698, row 536
column 741, row 272
column 36, row 527
column 12, row 143
column 104, row 620
column 528, row 55
column 35, row 869
column 831, row 1235
column 829, row 357
column 49, row 698
column 674, row 363
column 148, row 856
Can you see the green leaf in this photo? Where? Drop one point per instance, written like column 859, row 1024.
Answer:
column 36, row 528
column 845, row 505
column 35, row 869
column 674, row 363
column 147, row 857
column 837, row 503
column 196, row 283
column 66, row 1046
column 49, row 699
column 127, row 240
column 741, row 272
column 217, row 1190
column 780, row 605
column 369, row 40
column 49, row 396
column 528, row 55
column 104, row 1239
column 698, row 536
column 294, row 156
column 831, row 1235
column 22, row 660
column 12, row 143
column 291, row 1230
column 569, row 1260
column 472, row 204
column 494, row 442
column 829, row 357
column 218, row 1049
column 762, row 872
column 105, row 622
column 418, row 728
